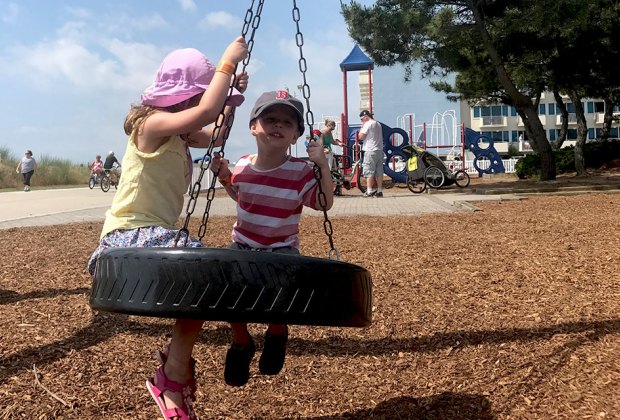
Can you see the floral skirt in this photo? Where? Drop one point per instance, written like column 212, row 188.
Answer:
column 149, row 236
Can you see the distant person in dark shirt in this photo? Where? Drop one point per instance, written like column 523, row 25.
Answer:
column 110, row 161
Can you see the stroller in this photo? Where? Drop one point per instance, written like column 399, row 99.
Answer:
column 425, row 169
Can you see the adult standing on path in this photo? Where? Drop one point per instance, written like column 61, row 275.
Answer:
column 328, row 139
column 372, row 135
column 26, row 167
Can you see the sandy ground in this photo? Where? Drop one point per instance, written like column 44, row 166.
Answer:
column 512, row 312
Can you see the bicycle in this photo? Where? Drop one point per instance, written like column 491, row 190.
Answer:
column 93, row 180
column 355, row 172
column 109, row 177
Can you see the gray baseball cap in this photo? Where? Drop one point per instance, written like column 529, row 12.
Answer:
column 279, row 97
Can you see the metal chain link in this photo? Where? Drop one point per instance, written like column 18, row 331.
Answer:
column 251, row 20
column 303, row 67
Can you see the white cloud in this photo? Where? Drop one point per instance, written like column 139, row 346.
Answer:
column 74, row 30
column 9, row 14
column 218, row 20
column 150, row 22
column 79, row 12
column 188, row 5
column 65, row 65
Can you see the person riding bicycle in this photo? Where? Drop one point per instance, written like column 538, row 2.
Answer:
column 112, row 165
column 96, row 166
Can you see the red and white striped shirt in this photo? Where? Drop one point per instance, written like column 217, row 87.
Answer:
column 269, row 203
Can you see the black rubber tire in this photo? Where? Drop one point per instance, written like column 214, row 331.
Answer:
column 92, row 182
column 360, row 179
column 461, row 178
column 105, row 184
column 230, row 285
column 434, row 177
column 416, row 186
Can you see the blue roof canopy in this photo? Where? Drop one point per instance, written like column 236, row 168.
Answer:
column 357, row 60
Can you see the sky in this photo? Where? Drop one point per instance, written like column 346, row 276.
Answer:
column 69, row 70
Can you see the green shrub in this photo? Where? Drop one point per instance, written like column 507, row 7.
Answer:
column 596, row 154
column 528, row 166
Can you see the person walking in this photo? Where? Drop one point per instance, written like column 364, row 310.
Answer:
column 372, row 135
column 26, row 167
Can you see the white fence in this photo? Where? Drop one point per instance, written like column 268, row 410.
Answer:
column 205, row 183
column 509, row 165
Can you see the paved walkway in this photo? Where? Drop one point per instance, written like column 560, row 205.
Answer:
column 62, row 206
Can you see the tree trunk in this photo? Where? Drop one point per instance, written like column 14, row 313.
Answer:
column 564, row 126
column 523, row 104
column 607, row 118
column 582, row 132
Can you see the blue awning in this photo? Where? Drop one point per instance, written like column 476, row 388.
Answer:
column 357, row 60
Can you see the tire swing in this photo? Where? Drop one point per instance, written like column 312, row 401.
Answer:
column 232, row 285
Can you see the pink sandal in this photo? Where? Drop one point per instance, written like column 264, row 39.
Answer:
column 162, row 356
column 164, row 384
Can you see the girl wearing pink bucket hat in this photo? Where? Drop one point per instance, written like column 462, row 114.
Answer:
column 187, row 94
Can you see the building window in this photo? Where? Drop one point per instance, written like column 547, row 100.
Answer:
column 515, row 135
column 541, row 109
column 571, row 134
column 599, row 107
column 570, row 107
column 551, row 109
column 493, row 115
column 552, row 134
column 591, row 134
column 513, row 111
column 476, row 112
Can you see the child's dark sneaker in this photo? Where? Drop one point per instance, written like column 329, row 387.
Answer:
column 238, row 359
column 274, row 352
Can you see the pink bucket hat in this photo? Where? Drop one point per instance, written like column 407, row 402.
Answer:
column 184, row 73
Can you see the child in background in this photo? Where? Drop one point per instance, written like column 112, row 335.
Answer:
column 270, row 188
column 187, row 94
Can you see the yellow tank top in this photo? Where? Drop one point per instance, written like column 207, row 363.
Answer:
column 151, row 189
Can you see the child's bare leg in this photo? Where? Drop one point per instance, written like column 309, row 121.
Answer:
column 240, row 334
column 178, row 364
column 277, row 329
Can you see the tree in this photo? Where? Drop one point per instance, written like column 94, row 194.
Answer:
column 506, row 51
column 468, row 37
column 585, row 59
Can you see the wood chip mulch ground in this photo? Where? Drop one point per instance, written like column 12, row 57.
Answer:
column 512, row 312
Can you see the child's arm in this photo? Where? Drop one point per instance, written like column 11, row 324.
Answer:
column 316, row 155
column 161, row 125
column 219, row 166
column 202, row 138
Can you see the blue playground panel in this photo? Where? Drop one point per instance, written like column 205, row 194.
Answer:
column 472, row 139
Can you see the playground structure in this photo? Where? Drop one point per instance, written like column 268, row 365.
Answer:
column 443, row 134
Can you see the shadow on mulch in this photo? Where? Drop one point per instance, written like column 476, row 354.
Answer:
column 107, row 325
column 9, row 296
column 447, row 405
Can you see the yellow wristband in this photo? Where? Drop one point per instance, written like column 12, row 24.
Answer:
column 225, row 67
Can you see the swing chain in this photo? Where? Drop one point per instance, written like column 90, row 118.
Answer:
column 251, row 19
column 303, row 67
